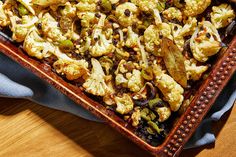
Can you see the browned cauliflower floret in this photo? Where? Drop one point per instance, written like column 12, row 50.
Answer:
column 96, row 84
column 46, row 3
column 151, row 6
column 205, row 42
column 136, row 116
column 102, row 47
column 124, row 77
column 189, row 27
column 165, row 30
column 124, row 104
column 194, row 72
column 72, row 69
column 163, row 112
column 69, row 10
column 36, row 46
column 87, row 5
column 126, row 14
column 88, row 19
column 152, row 39
column 135, row 81
column 132, row 38
column 172, row 91
column 51, row 29
column 173, row 13
column 195, row 7
column 148, row 5
column 4, row 20
column 222, row 15
column 20, row 30
column 178, row 39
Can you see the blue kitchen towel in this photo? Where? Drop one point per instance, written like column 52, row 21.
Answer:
column 17, row 82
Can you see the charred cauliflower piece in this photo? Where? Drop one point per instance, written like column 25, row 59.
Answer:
column 72, row 69
column 96, row 84
column 4, row 20
column 173, row 13
column 222, row 15
column 126, row 14
column 50, row 28
column 124, row 104
column 36, row 46
column 195, row 7
column 20, row 30
column 205, row 42
column 194, row 72
column 172, row 91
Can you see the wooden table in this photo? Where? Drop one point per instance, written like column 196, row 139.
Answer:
column 30, row 130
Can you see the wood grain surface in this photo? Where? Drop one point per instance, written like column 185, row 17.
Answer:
column 30, row 130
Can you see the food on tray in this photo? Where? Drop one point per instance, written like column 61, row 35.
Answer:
column 139, row 58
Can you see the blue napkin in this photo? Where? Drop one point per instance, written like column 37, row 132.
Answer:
column 17, row 82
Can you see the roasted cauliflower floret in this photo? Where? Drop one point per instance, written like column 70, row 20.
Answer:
column 4, row 20
column 102, row 47
column 222, row 15
column 132, row 38
column 165, row 30
column 69, row 10
column 163, row 112
column 205, row 42
column 195, row 7
column 87, row 19
column 152, row 39
column 136, row 116
column 173, row 13
column 124, row 104
column 189, row 27
column 20, row 30
column 121, row 80
column 96, row 84
column 135, row 81
column 152, row 6
column 126, row 14
column 46, row 3
column 172, row 91
column 86, row 5
column 36, row 46
column 194, row 72
column 72, row 69
column 178, row 39
column 148, row 5
column 50, row 28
